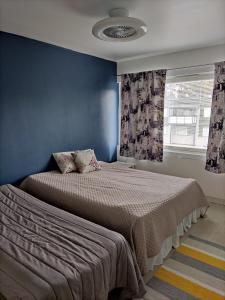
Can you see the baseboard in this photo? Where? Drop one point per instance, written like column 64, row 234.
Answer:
column 216, row 200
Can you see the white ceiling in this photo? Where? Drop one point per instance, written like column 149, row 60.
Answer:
column 174, row 25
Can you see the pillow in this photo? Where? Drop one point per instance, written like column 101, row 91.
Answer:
column 65, row 162
column 86, row 161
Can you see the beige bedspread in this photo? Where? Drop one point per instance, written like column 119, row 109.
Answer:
column 145, row 207
column 47, row 253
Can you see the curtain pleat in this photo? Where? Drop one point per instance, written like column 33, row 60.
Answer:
column 215, row 157
column 142, row 105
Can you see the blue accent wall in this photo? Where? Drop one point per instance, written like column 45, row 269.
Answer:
column 52, row 99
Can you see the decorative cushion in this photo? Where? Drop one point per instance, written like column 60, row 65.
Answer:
column 86, row 161
column 65, row 162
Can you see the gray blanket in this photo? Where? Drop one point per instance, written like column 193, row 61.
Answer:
column 47, row 253
column 145, row 207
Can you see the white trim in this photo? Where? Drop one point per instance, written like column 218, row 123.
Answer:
column 194, row 71
column 171, row 52
column 189, row 77
column 188, row 152
column 149, row 55
column 168, row 150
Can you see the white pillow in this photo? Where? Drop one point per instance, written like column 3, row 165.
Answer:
column 65, row 162
column 85, row 161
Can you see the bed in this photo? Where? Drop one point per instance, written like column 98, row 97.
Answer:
column 47, row 253
column 145, row 207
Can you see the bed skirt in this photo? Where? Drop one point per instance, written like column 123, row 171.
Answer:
column 173, row 241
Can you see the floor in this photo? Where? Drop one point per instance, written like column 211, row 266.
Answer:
column 212, row 228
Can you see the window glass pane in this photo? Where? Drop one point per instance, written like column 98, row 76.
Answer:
column 205, row 131
column 207, row 111
column 187, row 113
column 189, row 120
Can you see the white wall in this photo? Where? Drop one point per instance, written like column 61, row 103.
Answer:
column 179, row 164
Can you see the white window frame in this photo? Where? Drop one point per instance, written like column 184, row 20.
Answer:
column 181, row 75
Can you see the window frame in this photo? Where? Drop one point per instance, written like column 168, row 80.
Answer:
column 185, row 76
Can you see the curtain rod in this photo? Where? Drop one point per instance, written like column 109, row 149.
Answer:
column 178, row 68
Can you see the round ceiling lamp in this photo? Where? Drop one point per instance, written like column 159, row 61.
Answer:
column 119, row 27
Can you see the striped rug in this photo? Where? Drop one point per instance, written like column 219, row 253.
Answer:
column 196, row 270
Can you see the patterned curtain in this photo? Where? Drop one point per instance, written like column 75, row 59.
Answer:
column 142, row 115
column 215, row 158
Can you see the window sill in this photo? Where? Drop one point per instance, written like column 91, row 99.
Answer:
column 185, row 152
column 175, row 151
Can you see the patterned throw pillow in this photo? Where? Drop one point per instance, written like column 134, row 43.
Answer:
column 86, row 161
column 65, row 162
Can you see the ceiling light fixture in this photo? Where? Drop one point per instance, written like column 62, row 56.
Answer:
column 119, row 27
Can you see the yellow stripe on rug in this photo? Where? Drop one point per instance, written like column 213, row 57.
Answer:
column 203, row 257
column 186, row 285
column 205, row 248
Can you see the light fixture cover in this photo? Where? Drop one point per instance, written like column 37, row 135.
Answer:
column 119, row 27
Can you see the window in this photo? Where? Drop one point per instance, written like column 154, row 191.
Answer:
column 187, row 108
